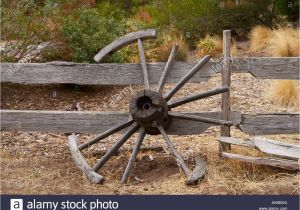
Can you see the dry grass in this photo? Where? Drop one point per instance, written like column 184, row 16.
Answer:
column 40, row 163
column 43, row 175
column 164, row 46
column 234, row 49
column 285, row 93
column 162, row 52
column 159, row 50
column 284, row 42
column 213, row 46
column 259, row 37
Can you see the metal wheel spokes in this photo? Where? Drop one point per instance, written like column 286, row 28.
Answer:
column 150, row 112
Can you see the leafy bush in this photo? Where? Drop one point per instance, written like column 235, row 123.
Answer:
column 87, row 31
column 264, row 12
column 109, row 10
column 191, row 17
column 128, row 6
column 196, row 18
column 23, row 27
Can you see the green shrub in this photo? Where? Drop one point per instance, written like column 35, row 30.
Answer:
column 87, row 32
column 196, row 18
column 107, row 9
column 23, row 27
column 191, row 17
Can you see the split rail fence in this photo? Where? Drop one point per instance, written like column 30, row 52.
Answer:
column 126, row 74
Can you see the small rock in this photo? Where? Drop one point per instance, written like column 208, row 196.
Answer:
column 151, row 157
column 138, row 179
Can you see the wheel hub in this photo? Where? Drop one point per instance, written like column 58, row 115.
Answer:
column 149, row 108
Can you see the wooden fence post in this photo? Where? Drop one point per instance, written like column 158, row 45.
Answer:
column 226, row 80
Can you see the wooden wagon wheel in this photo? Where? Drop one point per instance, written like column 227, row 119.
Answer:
column 150, row 113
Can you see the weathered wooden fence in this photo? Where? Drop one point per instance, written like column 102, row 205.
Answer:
column 125, row 74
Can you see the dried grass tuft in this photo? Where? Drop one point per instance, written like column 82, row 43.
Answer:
column 213, row 46
column 259, row 37
column 285, row 93
column 284, row 42
column 210, row 45
column 160, row 50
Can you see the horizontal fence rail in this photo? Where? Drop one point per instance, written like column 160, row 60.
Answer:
column 268, row 68
column 97, row 122
column 126, row 74
column 96, row 74
column 93, row 122
column 261, row 124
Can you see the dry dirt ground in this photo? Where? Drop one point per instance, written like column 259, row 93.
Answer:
column 40, row 163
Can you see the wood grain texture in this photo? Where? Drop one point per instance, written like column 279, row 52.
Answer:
column 275, row 162
column 168, row 95
column 171, row 146
column 116, row 146
column 271, row 147
column 168, row 66
column 126, row 74
column 201, row 119
column 198, row 172
column 124, row 41
column 268, row 68
column 93, row 122
column 98, row 74
column 97, row 122
column 133, row 156
column 80, row 161
column 277, row 148
column 226, row 81
column 265, row 124
column 143, row 64
column 105, row 134
column 235, row 141
column 190, row 98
